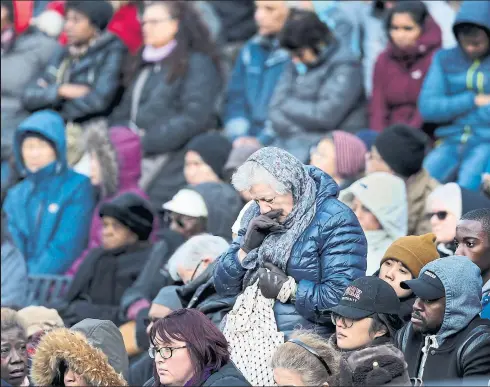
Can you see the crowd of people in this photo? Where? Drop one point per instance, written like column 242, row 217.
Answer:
column 235, row 193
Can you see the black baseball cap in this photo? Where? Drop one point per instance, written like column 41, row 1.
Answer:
column 427, row 287
column 366, row 296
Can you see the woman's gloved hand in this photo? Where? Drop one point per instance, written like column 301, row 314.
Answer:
column 271, row 281
column 258, row 228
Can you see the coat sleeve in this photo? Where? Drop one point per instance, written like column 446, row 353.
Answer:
column 71, row 235
column 338, row 95
column 237, row 115
column 198, row 100
column 103, row 91
column 476, row 357
column 36, row 97
column 435, row 103
column 342, row 259
column 229, row 272
column 378, row 108
column 14, row 290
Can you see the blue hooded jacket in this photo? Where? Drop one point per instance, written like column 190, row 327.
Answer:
column 49, row 212
column 327, row 257
column 448, row 93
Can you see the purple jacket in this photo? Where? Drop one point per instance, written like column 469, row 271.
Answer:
column 120, row 159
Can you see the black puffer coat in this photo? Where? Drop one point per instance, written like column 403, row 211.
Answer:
column 99, row 68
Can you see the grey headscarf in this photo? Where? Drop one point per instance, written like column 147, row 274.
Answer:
column 277, row 246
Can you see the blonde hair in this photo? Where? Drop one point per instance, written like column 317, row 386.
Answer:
column 293, row 357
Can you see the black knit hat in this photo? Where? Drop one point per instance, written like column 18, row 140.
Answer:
column 132, row 211
column 214, row 149
column 403, row 148
column 98, row 12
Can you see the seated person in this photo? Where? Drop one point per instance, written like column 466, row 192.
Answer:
column 403, row 261
column 342, row 155
column 320, row 91
column 109, row 270
column 82, row 79
column 444, row 207
column 473, row 241
column 14, row 369
column 204, row 208
column 456, row 96
column 91, row 353
column 192, row 264
column 257, row 70
column 380, row 204
column 446, row 324
column 306, row 359
column 48, row 213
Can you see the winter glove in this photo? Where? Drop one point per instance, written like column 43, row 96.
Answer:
column 271, row 281
column 379, row 371
column 258, row 228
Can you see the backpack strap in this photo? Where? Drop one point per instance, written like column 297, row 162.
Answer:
column 475, row 332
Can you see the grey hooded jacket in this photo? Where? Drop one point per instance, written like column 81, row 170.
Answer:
column 461, row 347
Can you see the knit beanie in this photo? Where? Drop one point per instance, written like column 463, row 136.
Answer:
column 350, row 154
column 132, row 211
column 413, row 251
column 39, row 318
column 403, row 148
column 98, row 12
column 214, row 149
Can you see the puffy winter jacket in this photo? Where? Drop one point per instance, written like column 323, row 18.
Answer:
column 252, row 84
column 329, row 255
column 448, row 93
column 328, row 97
column 49, row 212
column 99, row 68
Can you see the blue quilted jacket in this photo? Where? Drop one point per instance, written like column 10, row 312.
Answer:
column 329, row 255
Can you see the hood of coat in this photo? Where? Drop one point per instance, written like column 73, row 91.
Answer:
column 48, row 124
column 429, row 41
column 223, row 204
column 119, row 153
column 474, row 13
column 82, row 352
column 463, row 285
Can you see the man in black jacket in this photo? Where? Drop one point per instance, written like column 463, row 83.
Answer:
column 446, row 339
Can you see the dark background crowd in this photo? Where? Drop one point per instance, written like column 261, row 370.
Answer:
column 245, row 192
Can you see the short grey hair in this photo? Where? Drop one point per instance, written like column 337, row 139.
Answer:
column 10, row 320
column 295, row 358
column 251, row 173
column 194, row 250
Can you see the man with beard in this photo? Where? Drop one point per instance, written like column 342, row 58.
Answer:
column 446, row 339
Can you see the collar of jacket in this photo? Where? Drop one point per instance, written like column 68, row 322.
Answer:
column 187, row 291
column 44, row 173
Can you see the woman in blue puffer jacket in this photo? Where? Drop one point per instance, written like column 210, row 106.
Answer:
column 311, row 243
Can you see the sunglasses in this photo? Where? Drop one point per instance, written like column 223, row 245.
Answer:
column 441, row 215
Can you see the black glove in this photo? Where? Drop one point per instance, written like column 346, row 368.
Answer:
column 258, row 228
column 270, row 282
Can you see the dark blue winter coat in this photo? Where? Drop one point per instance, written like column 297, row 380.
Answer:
column 453, row 81
column 49, row 212
column 328, row 256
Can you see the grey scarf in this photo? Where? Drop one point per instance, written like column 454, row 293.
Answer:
column 277, row 246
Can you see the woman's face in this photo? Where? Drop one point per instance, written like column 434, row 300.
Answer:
column 393, row 272
column 178, row 369
column 196, row 171
column 269, row 200
column 115, row 234
column 442, row 221
column 14, row 356
column 354, row 334
column 95, row 170
column 404, row 31
column 366, row 218
column 73, row 379
column 375, row 163
column 287, row 377
column 159, row 28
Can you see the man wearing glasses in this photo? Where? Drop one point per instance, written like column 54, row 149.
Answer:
column 446, row 339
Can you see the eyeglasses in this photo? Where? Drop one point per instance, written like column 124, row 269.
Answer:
column 441, row 215
column 195, row 271
column 153, row 22
column 164, row 352
column 346, row 322
column 313, row 352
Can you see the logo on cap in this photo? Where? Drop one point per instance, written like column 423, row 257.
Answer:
column 430, row 274
column 352, row 293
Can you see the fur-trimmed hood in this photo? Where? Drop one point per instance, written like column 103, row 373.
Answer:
column 81, row 353
column 118, row 150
